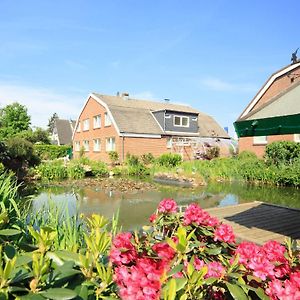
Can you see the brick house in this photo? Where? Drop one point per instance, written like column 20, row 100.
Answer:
column 273, row 114
column 119, row 123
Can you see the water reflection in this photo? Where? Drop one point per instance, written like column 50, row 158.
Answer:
column 136, row 207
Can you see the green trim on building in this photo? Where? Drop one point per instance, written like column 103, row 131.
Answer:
column 268, row 126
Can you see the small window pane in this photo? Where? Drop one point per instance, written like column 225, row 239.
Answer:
column 185, row 121
column 97, row 121
column 260, row 140
column 107, row 120
column 177, row 121
column 86, row 146
column 297, row 137
column 97, row 145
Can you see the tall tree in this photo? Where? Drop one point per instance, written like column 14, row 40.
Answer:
column 13, row 119
column 51, row 122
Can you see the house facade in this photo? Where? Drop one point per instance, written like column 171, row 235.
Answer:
column 125, row 125
column 273, row 114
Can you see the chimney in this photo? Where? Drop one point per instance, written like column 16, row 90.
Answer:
column 167, row 100
column 118, row 94
column 125, row 96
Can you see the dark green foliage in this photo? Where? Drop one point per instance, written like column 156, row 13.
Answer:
column 46, row 152
column 51, row 122
column 169, row 160
column 21, row 155
column 13, row 119
column 132, row 160
column 283, row 152
column 38, row 135
column 147, row 158
column 113, row 156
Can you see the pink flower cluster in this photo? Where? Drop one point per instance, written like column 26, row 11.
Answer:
column 195, row 214
column 138, row 276
column 288, row 289
column 215, row 268
column 224, row 233
column 141, row 281
column 167, row 206
column 123, row 251
column 265, row 262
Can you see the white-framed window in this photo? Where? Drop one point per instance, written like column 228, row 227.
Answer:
column 97, row 145
column 86, row 145
column 97, row 121
column 110, row 144
column 181, row 121
column 77, row 146
column 169, row 142
column 78, row 127
column 260, row 140
column 107, row 120
column 297, row 137
column 86, row 124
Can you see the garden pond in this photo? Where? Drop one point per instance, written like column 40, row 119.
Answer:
column 135, row 206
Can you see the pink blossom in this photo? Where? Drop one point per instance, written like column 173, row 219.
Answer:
column 224, row 233
column 246, row 250
column 153, row 218
column 261, row 266
column 212, row 221
column 122, row 251
column 215, row 269
column 198, row 264
column 164, row 251
column 167, row 206
column 274, row 251
column 295, row 278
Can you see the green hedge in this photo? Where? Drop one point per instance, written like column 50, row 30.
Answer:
column 52, row 151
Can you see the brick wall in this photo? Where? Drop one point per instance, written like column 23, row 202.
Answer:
column 246, row 143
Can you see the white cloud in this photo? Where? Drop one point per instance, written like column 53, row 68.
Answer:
column 217, row 84
column 40, row 102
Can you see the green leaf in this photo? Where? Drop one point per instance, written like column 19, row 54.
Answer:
column 180, row 283
column 67, row 255
column 210, row 281
column 9, row 232
column 59, row 294
column 82, row 291
column 172, row 289
column 176, row 269
column 24, row 259
column 261, row 294
column 32, row 296
column 213, row 251
column 10, row 251
column 236, row 292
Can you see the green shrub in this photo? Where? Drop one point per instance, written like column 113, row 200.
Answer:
column 138, row 170
column 283, row 152
column 117, row 171
column 113, row 156
column 50, row 152
column 98, row 168
column 2, row 168
column 169, row 160
column 54, row 170
column 132, row 160
column 246, row 155
column 75, row 170
column 147, row 158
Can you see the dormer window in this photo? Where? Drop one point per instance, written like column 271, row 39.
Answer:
column 181, row 121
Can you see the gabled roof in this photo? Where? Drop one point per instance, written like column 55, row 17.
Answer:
column 284, row 104
column 135, row 116
column 64, row 129
column 266, row 85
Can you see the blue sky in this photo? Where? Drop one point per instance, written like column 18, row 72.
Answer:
column 212, row 55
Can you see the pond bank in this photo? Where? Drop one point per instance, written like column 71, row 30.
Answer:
column 119, row 184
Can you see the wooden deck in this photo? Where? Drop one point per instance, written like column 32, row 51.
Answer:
column 259, row 222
